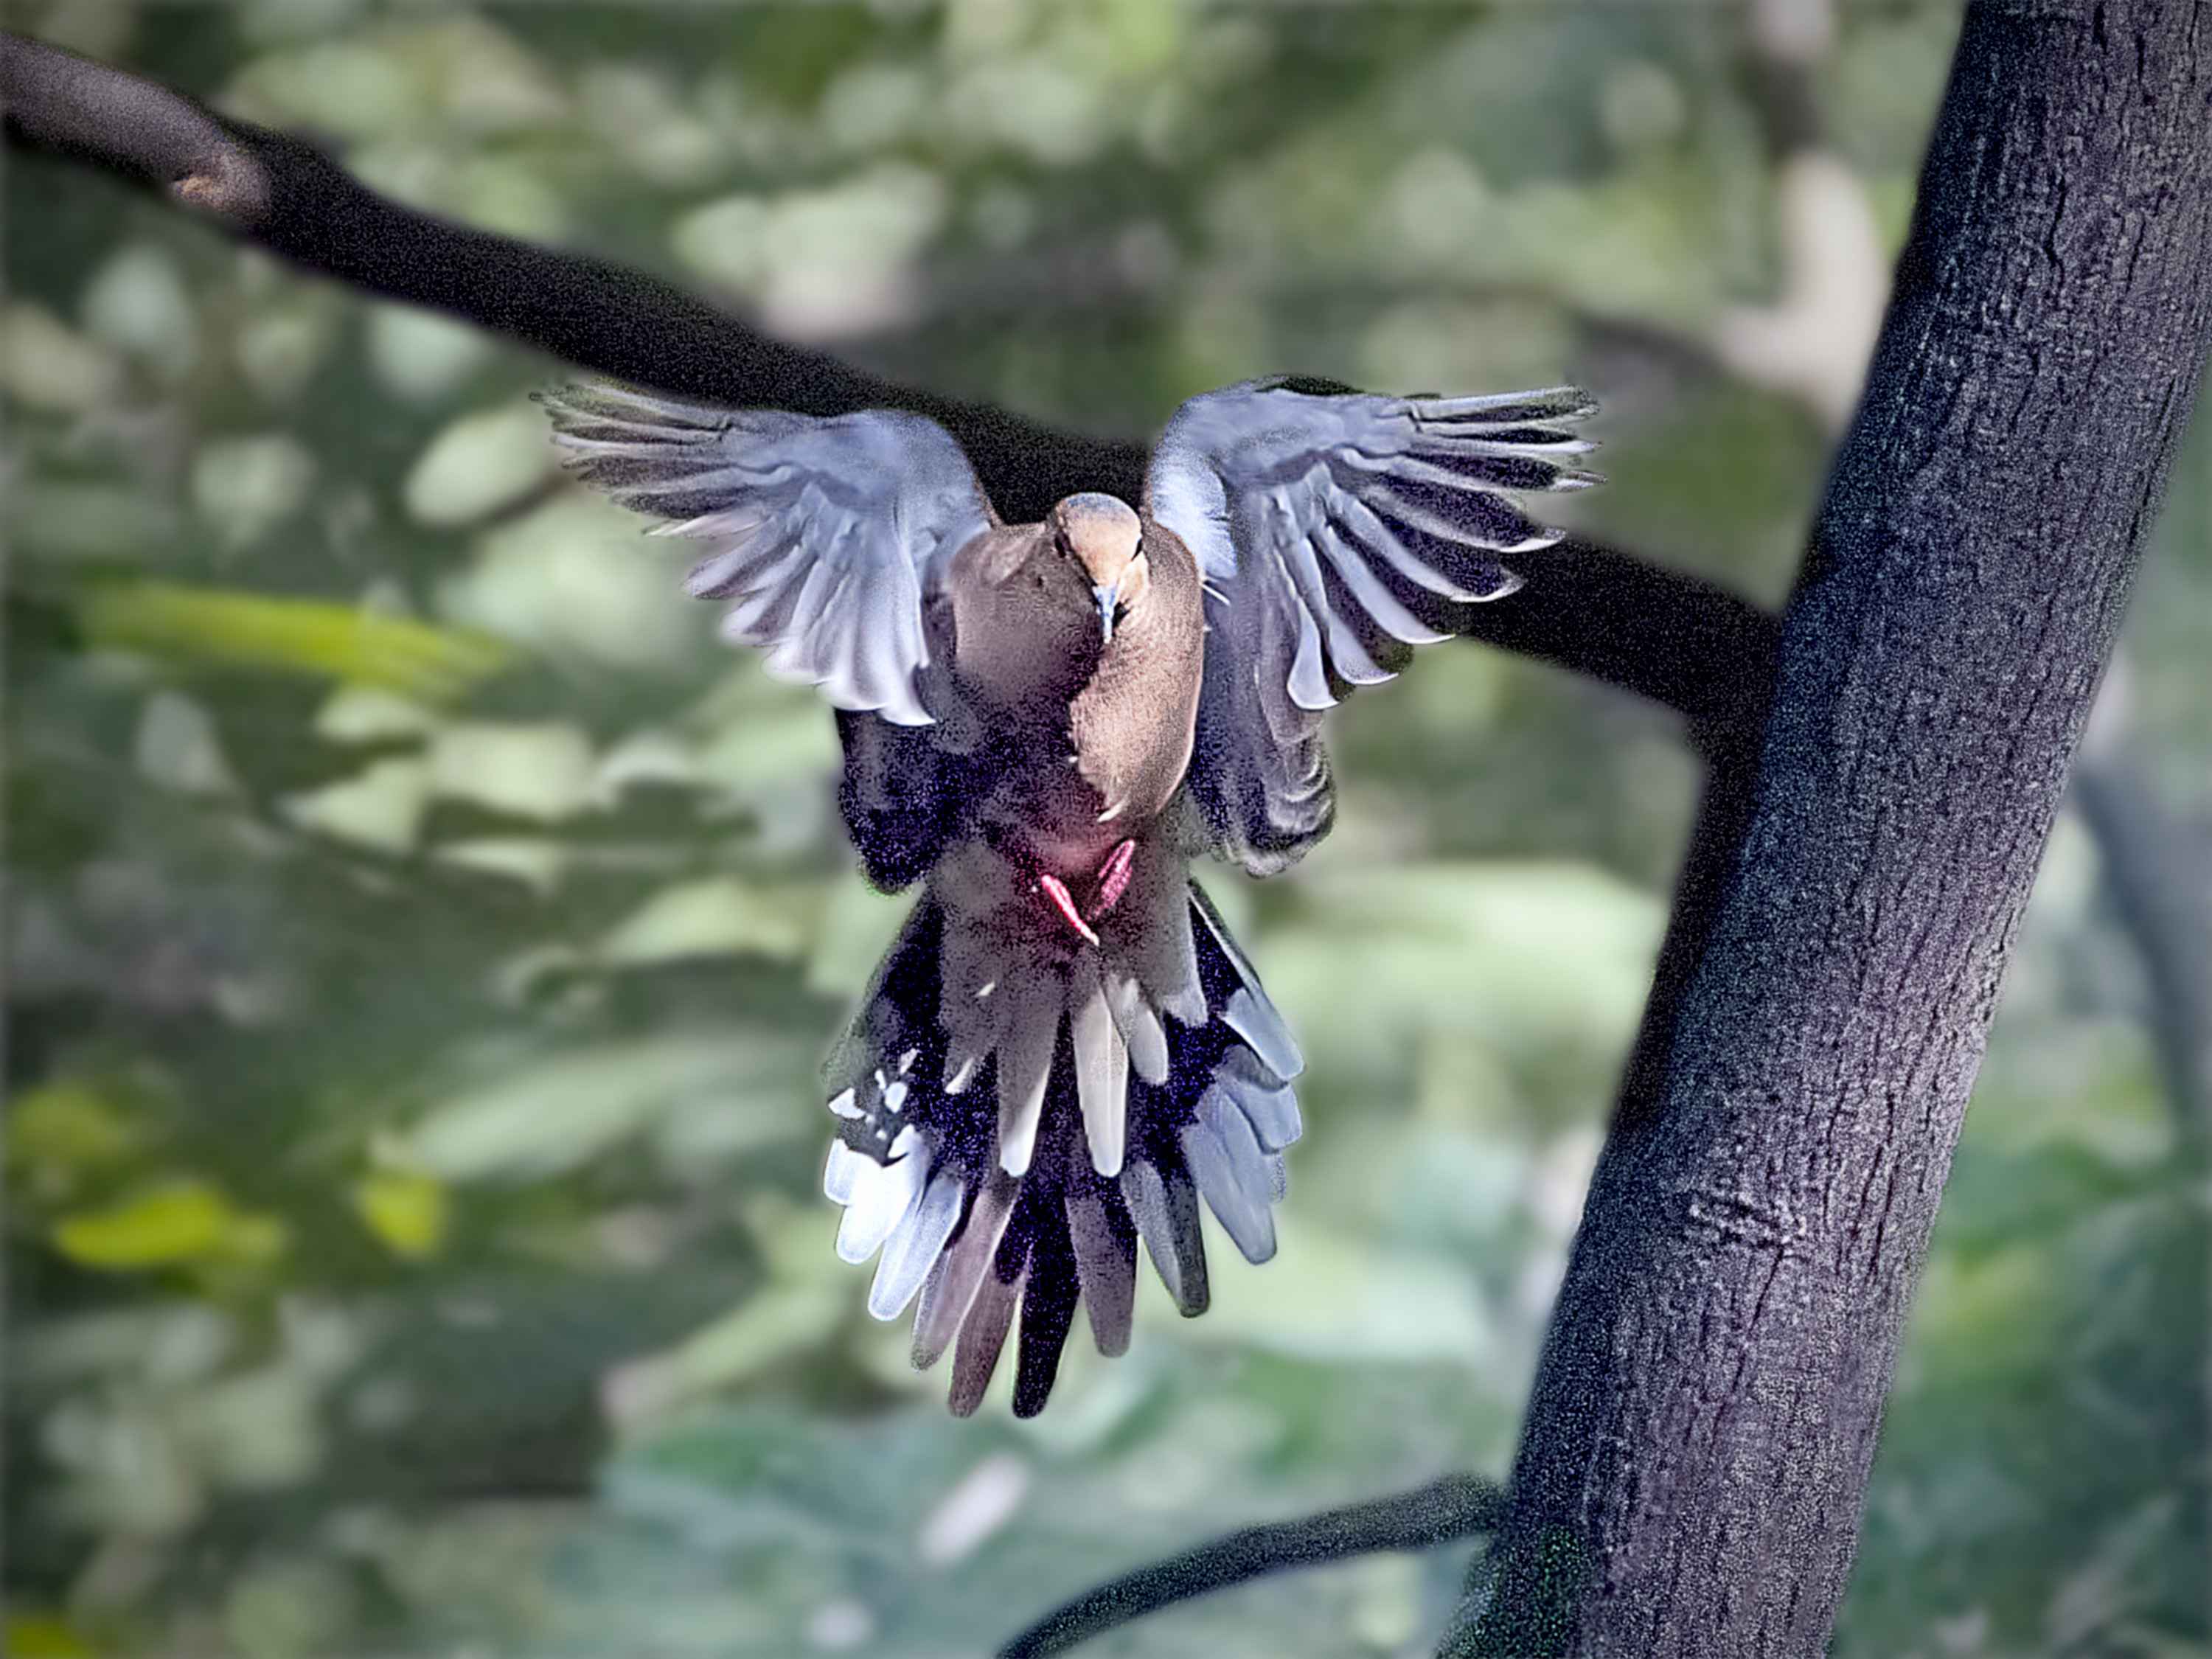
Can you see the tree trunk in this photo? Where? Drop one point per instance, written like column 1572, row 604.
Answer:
column 1691, row 1471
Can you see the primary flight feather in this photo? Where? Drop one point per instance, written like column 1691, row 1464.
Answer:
column 1064, row 1051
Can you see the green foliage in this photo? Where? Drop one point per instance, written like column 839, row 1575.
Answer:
column 422, row 939
column 162, row 620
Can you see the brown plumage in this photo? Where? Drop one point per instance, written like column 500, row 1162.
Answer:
column 1044, row 724
column 1084, row 637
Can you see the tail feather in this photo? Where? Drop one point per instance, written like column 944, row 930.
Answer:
column 1232, row 1173
column 1105, row 1244
column 1101, row 1069
column 983, row 1335
column 1048, row 1310
column 958, row 1276
column 1246, row 1007
column 913, row 1248
column 1164, row 1204
column 1139, row 1023
column 1098, row 1116
column 1267, row 1102
column 1165, row 961
column 882, row 1197
column 1024, row 1068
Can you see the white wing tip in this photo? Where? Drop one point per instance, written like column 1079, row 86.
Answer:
column 1513, row 584
column 1555, row 403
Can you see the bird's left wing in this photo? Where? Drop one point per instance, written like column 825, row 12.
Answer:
column 1333, row 531
column 823, row 531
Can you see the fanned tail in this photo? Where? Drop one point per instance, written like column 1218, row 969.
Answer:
column 1155, row 1094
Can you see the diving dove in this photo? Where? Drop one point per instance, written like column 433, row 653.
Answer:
column 1043, row 724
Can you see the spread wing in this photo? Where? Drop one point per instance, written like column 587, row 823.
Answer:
column 825, row 531
column 1334, row 531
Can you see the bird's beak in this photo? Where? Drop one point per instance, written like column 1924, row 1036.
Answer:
column 1109, row 595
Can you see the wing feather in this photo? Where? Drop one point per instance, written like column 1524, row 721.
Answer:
column 1330, row 528
column 1369, row 592
column 825, row 532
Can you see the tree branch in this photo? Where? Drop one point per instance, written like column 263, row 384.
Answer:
column 1685, row 643
column 1457, row 1506
column 100, row 114
column 1592, row 610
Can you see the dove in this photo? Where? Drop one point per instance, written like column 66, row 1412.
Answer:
column 1064, row 1052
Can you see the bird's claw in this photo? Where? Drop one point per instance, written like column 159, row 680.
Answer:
column 1114, row 876
column 1113, row 881
column 1064, row 901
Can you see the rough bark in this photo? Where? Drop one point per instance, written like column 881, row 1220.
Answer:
column 1692, row 1467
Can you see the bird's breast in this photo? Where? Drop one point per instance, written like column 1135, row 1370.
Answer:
column 1131, row 725
column 1092, row 733
column 1103, row 773
column 1024, row 627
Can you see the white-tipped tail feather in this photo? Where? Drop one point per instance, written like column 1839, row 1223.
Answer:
column 1017, row 1165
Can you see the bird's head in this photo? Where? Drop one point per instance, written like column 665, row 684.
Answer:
column 1105, row 536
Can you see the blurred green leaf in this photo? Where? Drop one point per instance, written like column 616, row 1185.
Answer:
column 408, row 1213
column 309, row 636
column 177, row 1221
column 46, row 366
column 179, row 748
column 573, row 579
column 138, row 301
column 368, row 713
column 67, row 1127
column 420, row 356
column 773, row 1326
column 478, row 464
column 542, row 770
column 551, row 1116
column 1342, row 1298
column 71, row 520
column 857, row 925
column 379, row 807
column 718, row 916
column 1524, row 956
column 36, row 1635
column 248, row 485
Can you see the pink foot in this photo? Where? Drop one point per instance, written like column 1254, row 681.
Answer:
column 1114, row 876
column 1064, row 901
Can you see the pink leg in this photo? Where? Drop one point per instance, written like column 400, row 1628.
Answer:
column 1114, row 876
column 1064, row 901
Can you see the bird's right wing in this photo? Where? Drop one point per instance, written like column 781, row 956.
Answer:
column 825, row 531
column 1334, row 530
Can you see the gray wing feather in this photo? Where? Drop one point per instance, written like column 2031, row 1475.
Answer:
column 1332, row 530
column 822, row 532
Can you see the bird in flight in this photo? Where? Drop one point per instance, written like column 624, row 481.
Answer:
column 1064, row 1050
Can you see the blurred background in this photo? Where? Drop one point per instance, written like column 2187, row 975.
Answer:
column 422, row 937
